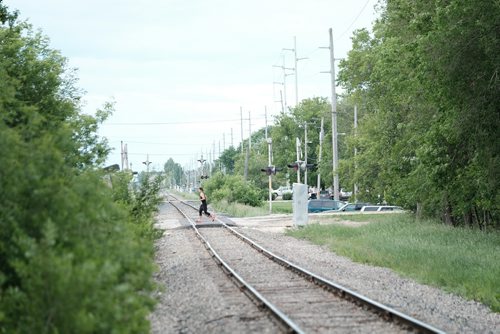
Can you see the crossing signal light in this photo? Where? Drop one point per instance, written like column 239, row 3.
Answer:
column 302, row 165
column 204, row 177
column 294, row 165
column 271, row 170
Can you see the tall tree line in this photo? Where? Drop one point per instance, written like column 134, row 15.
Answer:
column 426, row 84
column 427, row 81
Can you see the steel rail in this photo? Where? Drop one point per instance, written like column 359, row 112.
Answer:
column 387, row 312
column 344, row 292
column 283, row 321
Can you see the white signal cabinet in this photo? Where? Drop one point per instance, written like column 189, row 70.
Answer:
column 300, row 215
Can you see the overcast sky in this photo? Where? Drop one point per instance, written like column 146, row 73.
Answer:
column 180, row 70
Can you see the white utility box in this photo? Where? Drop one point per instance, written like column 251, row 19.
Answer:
column 300, row 215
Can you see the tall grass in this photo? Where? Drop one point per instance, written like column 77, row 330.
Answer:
column 241, row 210
column 462, row 261
column 185, row 195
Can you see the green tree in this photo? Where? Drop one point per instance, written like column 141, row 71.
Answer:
column 233, row 189
column 228, row 159
column 71, row 258
column 291, row 125
column 174, row 173
column 428, row 84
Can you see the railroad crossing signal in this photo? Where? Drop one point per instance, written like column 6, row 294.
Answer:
column 271, row 170
column 294, row 165
column 302, row 165
column 204, row 177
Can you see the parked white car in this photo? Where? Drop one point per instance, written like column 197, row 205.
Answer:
column 344, row 195
column 282, row 190
column 381, row 208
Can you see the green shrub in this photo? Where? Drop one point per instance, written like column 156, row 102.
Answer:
column 71, row 260
column 75, row 257
column 287, row 196
column 232, row 188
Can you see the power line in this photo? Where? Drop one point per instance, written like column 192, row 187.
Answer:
column 352, row 23
column 163, row 154
column 172, row 123
column 157, row 143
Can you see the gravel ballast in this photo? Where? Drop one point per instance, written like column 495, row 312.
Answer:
column 198, row 297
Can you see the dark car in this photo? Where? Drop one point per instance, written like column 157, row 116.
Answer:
column 320, row 205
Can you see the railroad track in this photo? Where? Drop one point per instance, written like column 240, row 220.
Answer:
column 299, row 301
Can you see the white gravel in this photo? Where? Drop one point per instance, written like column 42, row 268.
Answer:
column 199, row 298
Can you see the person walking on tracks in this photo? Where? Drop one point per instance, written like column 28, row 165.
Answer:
column 203, row 206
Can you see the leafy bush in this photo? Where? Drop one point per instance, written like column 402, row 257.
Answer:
column 287, row 196
column 75, row 254
column 140, row 197
column 232, row 188
column 70, row 259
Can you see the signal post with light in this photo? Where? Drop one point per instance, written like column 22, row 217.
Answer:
column 301, row 166
column 271, row 170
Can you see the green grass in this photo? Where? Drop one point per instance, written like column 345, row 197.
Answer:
column 462, row 261
column 241, row 210
column 185, row 195
column 280, row 207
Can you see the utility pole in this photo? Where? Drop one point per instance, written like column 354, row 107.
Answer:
column 265, row 113
column 246, row 164
column 281, row 94
column 265, row 116
column 355, row 150
column 147, row 163
column 305, row 152
column 321, row 136
column 122, row 153
column 241, row 117
column 124, row 156
column 295, row 69
column 269, row 163
column 242, row 143
column 202, row 162
column 297, row 145
column 283, row 98
column 335, row 157
column 249, row 131
column 213, row 150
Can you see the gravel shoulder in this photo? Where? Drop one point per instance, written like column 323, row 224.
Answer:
column 198, row 298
